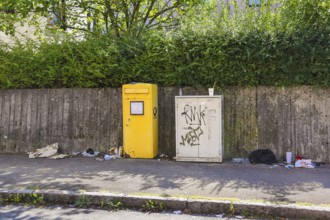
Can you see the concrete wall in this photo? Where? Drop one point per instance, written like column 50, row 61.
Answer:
column 280, row 119
column 75, row 118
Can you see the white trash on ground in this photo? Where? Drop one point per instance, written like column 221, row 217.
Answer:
column 304, row 163
column 47, row 151
column 50, row 151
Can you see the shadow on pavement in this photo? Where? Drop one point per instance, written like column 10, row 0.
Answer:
column 226, row 180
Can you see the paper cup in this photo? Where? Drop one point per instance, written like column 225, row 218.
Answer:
column 288, row 157
column 211, row 91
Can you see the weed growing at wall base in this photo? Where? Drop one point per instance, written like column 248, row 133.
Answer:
column 115, row 204
column 82, row 202
column 30, row 199
column 152, row 206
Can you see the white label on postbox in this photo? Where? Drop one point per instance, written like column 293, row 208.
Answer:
column 137, row 108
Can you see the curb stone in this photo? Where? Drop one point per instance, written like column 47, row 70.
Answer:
column 195, row 206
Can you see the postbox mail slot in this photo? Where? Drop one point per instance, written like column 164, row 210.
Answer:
column 137, row 91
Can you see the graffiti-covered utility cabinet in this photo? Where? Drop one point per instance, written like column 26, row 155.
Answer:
column 199, row 128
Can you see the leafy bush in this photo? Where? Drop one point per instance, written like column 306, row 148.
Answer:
column 255, row 47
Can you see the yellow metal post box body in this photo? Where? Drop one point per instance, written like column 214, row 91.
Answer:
column 140, row 120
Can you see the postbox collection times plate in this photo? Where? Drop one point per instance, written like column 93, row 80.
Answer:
column 137, row 107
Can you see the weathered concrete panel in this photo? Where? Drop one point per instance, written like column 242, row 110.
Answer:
column 311, row 122
column 75, row 118
column 241, row 131
column 294, row 119
column 274, row 115
column 166, row 120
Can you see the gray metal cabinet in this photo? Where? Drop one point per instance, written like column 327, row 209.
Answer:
column 199, row 128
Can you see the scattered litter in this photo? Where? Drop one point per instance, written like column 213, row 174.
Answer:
column 220, row 215
column 116, row 151
column 299, row 157
column 102, row 156
column 47, row 151
column 121, row 151
column 60, row 156
column 239, row 217
column 107, row 157
column 76, row 154
column 178, row 212
column 264, row 156
column 317, row 164
column 274, row 166
column 304, row 163
column 288, row 157
column 50, row 151
column 289, row 166
column 239, row 160
column 90, row 153
column 163, row 156
column 113, row 151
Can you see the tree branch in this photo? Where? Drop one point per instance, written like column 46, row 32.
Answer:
column 112, row 17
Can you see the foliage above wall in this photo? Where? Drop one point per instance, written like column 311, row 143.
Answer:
column 98, row 16
column 263, row 46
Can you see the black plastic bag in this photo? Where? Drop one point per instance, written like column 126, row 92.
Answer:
column 264, row 156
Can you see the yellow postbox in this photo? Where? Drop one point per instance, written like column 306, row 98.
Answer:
column 140, row 120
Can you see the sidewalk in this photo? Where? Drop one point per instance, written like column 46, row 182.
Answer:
column 241, row 183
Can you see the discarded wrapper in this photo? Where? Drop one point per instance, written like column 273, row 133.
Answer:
column 304, row 164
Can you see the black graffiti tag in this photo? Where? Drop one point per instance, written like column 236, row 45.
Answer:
column 194, row 115
column 192, row 136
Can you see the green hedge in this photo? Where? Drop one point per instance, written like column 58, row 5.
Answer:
column 273, row 52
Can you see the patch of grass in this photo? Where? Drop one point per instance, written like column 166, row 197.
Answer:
column 16, row 199
column 12, row 199
column 152, row 206
column 82, row 202
column 115, row 204
column 102, row 204
column 231, row 208
column 36, row 199
column 247, row 214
